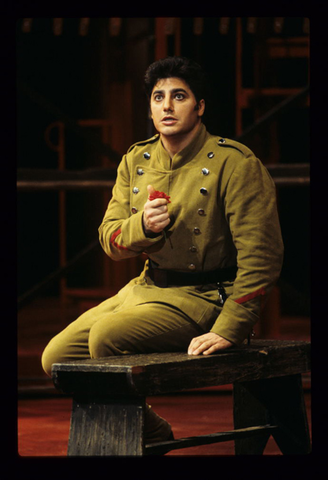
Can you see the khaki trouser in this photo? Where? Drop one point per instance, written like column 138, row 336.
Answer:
column 109, row 329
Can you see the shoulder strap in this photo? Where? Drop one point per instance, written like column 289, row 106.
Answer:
column 144, row 142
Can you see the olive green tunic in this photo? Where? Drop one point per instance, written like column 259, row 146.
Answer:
column 223, row 213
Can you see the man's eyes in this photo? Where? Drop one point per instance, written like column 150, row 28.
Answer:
column 178, row 96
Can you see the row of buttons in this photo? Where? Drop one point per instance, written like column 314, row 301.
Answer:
column 203, row 190
column 205, row 171
column 200, row 212
column 210, row 154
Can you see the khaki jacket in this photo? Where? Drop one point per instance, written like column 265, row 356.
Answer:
column 223, row 213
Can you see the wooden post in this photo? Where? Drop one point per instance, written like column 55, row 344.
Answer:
column 247, row 412
column 108, row 427
column 165, row 26
column 279, row 401
column 160, row 38
column 60, row 149
column 239, row 77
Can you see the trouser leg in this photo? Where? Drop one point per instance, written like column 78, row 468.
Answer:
column 72, row 343
column 146, row 328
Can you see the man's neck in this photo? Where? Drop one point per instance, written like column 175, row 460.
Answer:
column 175, row 143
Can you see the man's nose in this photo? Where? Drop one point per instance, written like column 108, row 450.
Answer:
column 168, row 104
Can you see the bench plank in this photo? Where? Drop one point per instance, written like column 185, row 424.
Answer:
column 151, row 374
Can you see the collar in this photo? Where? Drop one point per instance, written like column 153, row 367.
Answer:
column 186, row 154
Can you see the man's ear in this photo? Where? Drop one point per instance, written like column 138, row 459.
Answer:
column 200, row 107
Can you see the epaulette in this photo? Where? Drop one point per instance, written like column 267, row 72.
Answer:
column 144, row 142
column 227, row 142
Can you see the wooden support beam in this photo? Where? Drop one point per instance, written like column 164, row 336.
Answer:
column 251, row 24
column 198, row 25
column 306, row 25
column 84, row 26
column 278, row 24
column 164, row 27
column 224, row 25
column 115, row 24
column 286, row 174
column 219, row 437
column 177, row 40
column 160, row 38
column 170, row 25
column 239, row 76
column 27, row 25
column 57, row 26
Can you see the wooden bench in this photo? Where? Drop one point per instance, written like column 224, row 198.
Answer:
column 109, row 396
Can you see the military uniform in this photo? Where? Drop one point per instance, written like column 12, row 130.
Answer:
column 224, row 228
column 223, row 214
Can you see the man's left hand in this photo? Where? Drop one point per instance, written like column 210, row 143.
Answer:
column 208, row 343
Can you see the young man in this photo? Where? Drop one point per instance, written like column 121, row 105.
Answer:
column 203, row 208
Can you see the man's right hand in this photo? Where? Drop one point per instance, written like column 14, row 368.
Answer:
column 155, row 216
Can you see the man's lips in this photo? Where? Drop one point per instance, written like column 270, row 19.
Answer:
column 168, row 120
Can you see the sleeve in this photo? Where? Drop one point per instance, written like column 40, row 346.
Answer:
column 251, row 212
column 121, row 233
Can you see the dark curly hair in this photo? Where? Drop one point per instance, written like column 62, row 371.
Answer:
column 180, row 67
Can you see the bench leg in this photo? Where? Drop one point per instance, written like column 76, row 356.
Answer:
column 278, row 401
column 108, row 427
column 248, row 412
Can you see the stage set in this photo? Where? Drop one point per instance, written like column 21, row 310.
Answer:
column 80, row 105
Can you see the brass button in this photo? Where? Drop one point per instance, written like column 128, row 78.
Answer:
column 193, row 249
column 197, row 231
column 191, row 266
column 205, row 171
column 210, row 155
column 134, row 210
column 203, row 191
column 201, row 211
column 146, row 155
column 135, row 190
column 222, row 140
column 140, row 171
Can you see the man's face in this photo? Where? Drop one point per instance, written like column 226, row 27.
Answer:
column 174, row 109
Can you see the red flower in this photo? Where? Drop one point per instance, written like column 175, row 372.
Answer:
column 158, row 194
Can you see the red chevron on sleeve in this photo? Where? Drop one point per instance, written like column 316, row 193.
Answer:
column 250, row 296
column 112, row 240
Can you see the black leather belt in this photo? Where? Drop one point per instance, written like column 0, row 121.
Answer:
column 164, row 278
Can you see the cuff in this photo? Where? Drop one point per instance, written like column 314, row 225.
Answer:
column 134, row 235
column 235, row 322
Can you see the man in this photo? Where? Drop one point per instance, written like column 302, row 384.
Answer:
column 203, row 208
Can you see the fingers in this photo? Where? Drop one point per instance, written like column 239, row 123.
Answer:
column 156, row 216
column 156, row 224
column 207, row 344
column 151, row 190
column 200, row 346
